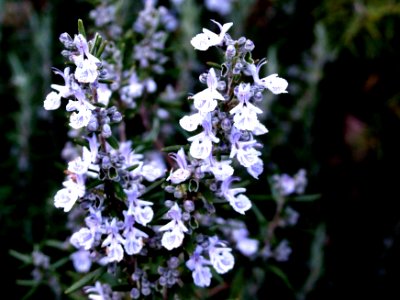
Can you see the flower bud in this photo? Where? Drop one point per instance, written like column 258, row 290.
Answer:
column 230, row 51
column 249, row 45
column 106, row 131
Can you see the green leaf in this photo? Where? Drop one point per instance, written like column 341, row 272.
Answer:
column 97, row 42
column 98, row 104
column 100, row 51
column 214, row 65
column 133, row 167
column 173, row 148
column 24, row 282
column 93, row 184
column 260, row 217
column 248, row 58
column 306, row 198
column 113, row 142
column 278, row 272
column 81, row 28
column 106, row 81
column 55, row 244
column 23, row 257
column 237, row 285
column 59, row 263
column 193, row 185
column 154, row 185
column 86, row 280
column 261, row 197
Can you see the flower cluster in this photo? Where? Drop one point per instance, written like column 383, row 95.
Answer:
column 141, row 207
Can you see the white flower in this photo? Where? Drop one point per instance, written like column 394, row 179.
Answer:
column 221, row 257
column 114, row 242
column 240, row 203
column 245, row 119
column 80, row 165
column 190, row 123
column 259, row 129
column 86, row 63
column 153, row 170
column 179, row 176
column 140, row 209
column 52, row 101
column 173, row 237
column 201, row 146
column 275, row 84
column 86, row 71
column 203, row 41
column 65, row 198
column 64, row 90
column 84, row 238
column 244, row 244
column 182, row 173
column 245, row 152
column 80, row 119
column 222, row 169
column 272, row 82
column 134, row 240
column 103, row 94
column 247, row 246
column 205, row 101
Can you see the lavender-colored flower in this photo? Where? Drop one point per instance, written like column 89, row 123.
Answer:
column 133, row 236
column 138, row 208
column 223, row 7
column 81, row 261
column 244, row 244
column 272, row 82
column 80, row 164
column 201, row 146
column 221, row 169
column 282, row 251
column 74, row 188
column 205, row 101
column 245, row 152
column 239, row 203
column 173, row 237
column 201, row 274
column 84, row 238
column 221, row 257
column 113, row 242
column 86, row 64
column 182, row 173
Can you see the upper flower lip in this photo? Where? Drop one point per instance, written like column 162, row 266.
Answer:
column 202, row 41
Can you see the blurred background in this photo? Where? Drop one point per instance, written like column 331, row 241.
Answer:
column 340, row 122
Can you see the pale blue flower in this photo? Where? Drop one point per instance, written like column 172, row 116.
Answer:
column 81, row 261
column 173, row 237
column 201, row 274
column 221, row 257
